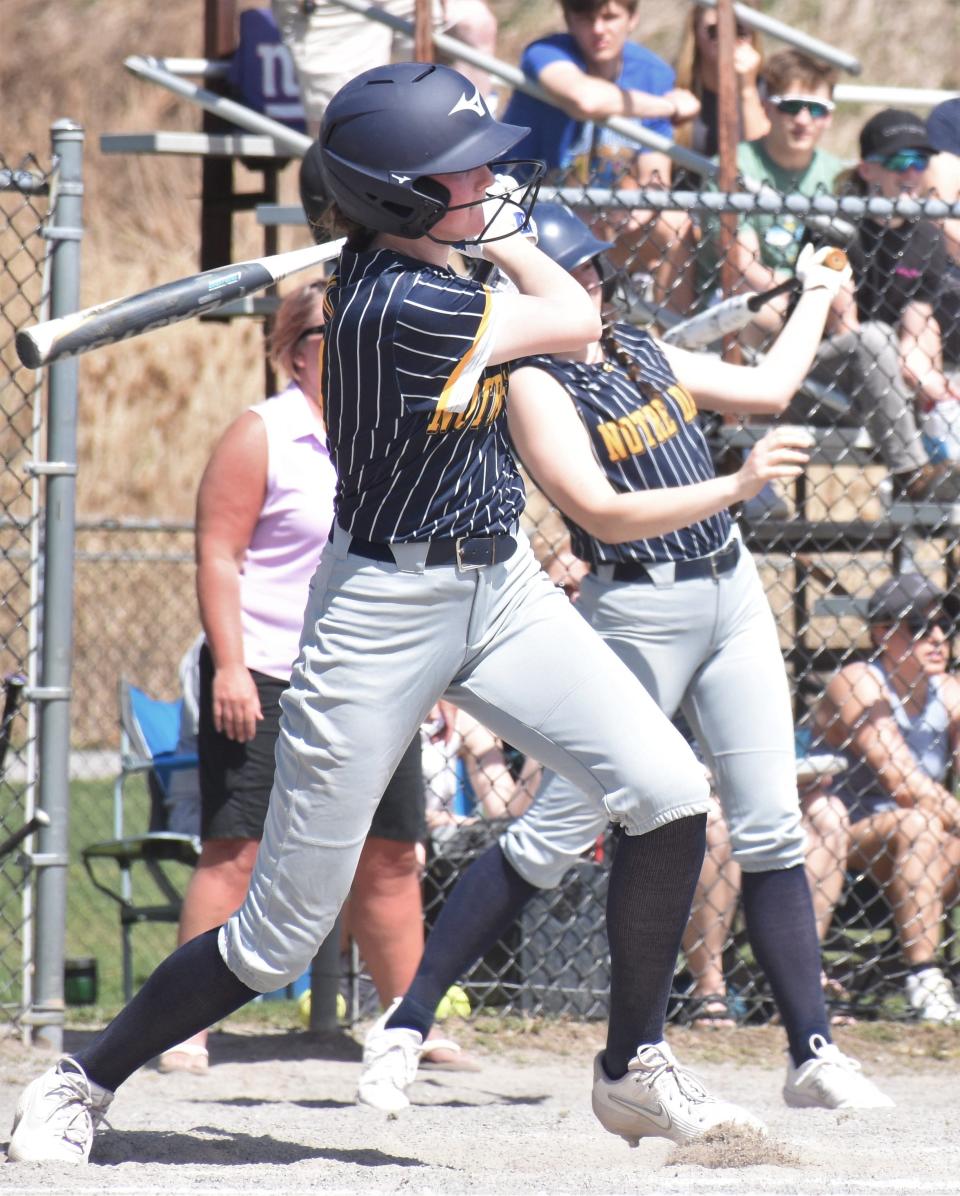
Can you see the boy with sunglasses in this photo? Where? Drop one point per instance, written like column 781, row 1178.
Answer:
column 896, row 719
column 788, row 158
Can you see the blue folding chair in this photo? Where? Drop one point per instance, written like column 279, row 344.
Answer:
column 149, row 746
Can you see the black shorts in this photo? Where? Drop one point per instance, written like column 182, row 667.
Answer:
column 236, row 778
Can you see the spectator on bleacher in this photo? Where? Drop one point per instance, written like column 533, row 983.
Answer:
column 798, row 102
column 264, row 510
column 330, row 44
column 827, row 830
column 943, row 129
column 495, row 786
column 882, row 337
column 594, row 71
column 698, row 73
column 906, row 304
column 896, row 719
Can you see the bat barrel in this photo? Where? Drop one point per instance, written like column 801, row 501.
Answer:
column 32, row 345
column 108, row 323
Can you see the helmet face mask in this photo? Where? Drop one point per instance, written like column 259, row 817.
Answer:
column 526, row 174
column 389, row 132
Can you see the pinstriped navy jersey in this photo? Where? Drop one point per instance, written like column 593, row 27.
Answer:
column 415, row 416
column 645, row 436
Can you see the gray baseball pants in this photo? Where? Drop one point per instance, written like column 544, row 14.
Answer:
column 381, row 643
column 709, row 648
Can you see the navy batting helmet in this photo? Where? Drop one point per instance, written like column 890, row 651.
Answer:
column 563, row 236
column 388, row 129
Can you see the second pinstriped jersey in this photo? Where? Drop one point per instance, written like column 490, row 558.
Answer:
column 414, row 414
column 646, row 436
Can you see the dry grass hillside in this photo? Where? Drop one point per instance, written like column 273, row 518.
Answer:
column 151, row 408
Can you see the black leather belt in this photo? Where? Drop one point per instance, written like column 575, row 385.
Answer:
column 705, row 566
column 466, row 552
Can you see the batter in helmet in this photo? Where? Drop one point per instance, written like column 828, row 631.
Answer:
column 387, row 132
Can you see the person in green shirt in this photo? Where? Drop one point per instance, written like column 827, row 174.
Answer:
column 798, row 102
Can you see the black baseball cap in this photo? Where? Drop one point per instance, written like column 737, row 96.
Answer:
column 909, row 594
column 943, row 127
column 891, row 130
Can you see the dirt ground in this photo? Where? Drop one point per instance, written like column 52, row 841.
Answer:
column 276, row 1114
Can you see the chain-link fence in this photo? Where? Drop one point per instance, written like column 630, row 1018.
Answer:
column 875, row 502
column 24, row 211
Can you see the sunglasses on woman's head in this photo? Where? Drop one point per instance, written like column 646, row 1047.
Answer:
column 903, row 160
column 314, row 330
column 794, row 105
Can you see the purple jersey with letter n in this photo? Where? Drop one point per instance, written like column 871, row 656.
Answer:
column 415, row 416
column 262, row 72
column 645, row 436
column 561, row 141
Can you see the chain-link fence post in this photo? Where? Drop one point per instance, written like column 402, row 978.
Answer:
column 53, row 692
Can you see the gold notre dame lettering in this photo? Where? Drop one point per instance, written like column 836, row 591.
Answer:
column 631, row 437
column 641, row 417
column 646, row 426
column 667, row 424
column 685, row 401
column 484, row 406
column 612, row 441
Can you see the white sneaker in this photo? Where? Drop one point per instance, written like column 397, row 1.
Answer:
column 831, row 1080
column 57, row 1116
column 657, row 1098
column 390, row 1059
column 931, row 996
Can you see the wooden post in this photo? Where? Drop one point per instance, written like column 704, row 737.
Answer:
column 728, row 134
column 423, row 32
column 216, row 188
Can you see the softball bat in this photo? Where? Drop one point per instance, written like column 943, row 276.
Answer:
column 182, row 299
column 735, row 313
column 39, row 819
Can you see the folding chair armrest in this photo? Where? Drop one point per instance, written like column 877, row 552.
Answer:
column 162, row 846
column 175, row 762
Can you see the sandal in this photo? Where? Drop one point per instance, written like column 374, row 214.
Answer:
column 189, row 1057
column 452, row 1056
column 839, row 1002
column 712, row 1012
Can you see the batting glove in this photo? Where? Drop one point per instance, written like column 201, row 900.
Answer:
column 503, row 216
column 826, row 269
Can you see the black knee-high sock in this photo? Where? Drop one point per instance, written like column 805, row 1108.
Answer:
column 484, row 902
column 778, row 912
column 652, row 882
column 189, row 991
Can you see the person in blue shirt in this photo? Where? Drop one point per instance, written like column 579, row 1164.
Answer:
column 591, row 72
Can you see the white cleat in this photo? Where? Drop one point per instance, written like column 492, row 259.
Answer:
column 390, row 1059
column 658, row 1098
column 831, row 1080
column 57, row 1116
column 931, row 996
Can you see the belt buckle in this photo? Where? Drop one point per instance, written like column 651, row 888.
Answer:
column 464, row 565
column 714, row 568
